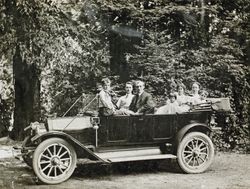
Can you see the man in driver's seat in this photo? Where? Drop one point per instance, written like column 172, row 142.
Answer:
column 142, row 102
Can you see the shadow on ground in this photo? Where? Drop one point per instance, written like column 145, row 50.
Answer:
column 125, row 168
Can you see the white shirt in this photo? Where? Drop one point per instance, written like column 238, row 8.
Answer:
column 195, row 99
column 182, row 99
column 170, row 108
column 125, row 101
column 105, row 100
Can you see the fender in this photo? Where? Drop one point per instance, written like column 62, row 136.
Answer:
column 193, row 126
column 81, row 150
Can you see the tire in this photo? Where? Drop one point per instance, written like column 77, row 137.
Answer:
column 54, row 161
column 27, row 158
column 195, row 153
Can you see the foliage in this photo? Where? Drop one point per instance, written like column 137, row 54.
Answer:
column 6, row 80
column 80, row 60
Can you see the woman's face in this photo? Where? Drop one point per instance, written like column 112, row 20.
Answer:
column 180, row 90
column 128, row 88
column 195, row 88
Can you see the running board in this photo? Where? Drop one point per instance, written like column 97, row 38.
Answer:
column 141, row 158
column 134, row 155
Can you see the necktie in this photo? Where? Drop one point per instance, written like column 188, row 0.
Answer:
column 136, row 100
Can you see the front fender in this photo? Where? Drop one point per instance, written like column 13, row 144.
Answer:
column 81, row 150
column 201, row 127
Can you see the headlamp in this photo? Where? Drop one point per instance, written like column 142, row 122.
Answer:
column 95, row 120
column 38, row 127
column 35, row 125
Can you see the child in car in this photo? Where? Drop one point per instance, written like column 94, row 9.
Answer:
column 170, row 108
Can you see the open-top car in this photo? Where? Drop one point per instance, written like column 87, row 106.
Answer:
column 53, row 148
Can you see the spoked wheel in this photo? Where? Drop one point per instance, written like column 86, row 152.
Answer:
column 195, row 153
column 54, row 161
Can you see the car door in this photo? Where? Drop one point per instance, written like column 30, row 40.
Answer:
column 136, row 129
column 140, row 129
column 113, row 130
column 126, row 130
column 163, row 127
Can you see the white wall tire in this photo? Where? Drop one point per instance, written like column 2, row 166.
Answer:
column 195, row 153
column 54, row 161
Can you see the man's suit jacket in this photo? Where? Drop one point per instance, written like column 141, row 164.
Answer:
column 143, row 103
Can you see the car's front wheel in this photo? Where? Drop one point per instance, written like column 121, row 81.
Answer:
column 195, row 152
column 54, row 161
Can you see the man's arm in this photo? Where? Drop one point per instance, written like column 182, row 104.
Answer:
column 148, row 106
column 132, row 105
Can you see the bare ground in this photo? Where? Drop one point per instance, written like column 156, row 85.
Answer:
column 228, row 171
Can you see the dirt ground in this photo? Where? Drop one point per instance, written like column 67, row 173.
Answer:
column 228, row 171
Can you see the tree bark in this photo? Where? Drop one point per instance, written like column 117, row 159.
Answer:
column 27, row 95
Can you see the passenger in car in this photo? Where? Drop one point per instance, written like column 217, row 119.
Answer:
column 182, row 98
column 124, row 102
column 203, row 96
column 106, row 106
column 142, row 102
column 99, row 87
column 195, row 97
column 170, row 108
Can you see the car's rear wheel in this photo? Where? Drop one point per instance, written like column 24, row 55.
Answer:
column 54, row 161
column 195, row 153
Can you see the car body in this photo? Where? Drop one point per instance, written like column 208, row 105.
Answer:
column 53, row 149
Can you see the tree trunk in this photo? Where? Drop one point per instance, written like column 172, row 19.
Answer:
column 27, row 95
column 120, row 45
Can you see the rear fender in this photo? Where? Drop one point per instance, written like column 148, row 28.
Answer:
column 200, row 127
column 81, row 150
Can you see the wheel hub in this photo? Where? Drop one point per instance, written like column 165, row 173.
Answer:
column 196, row 152
column 55, row 161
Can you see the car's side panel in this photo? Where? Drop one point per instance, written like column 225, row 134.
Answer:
column 141, row 129
column 163, row 127
column 113, row 131
column 125, row 130
column 117, row 129
column 137, row 129
column 192, row 117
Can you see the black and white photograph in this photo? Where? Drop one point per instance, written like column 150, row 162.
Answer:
column 124, row 94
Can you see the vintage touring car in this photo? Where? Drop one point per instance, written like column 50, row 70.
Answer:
column 53, row 149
